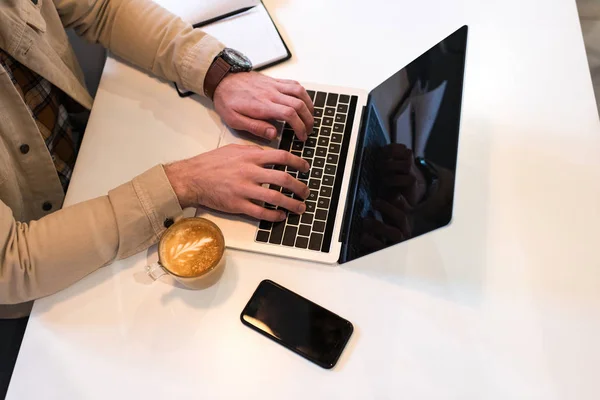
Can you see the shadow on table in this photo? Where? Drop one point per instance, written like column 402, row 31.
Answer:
column 439, row 262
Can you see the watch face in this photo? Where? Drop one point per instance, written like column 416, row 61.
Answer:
column 237, row 60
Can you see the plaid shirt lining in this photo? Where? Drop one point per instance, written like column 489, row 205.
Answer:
column 45, row 104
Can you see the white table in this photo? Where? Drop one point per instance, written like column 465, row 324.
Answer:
column 503, row 304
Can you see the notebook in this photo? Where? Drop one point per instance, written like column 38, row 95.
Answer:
column 252, row 32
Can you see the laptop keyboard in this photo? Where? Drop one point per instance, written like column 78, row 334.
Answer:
column 325, row 150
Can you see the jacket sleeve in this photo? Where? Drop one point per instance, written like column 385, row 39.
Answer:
column 42, row 257
column 145, row 34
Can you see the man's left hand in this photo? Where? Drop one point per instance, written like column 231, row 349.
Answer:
column 247, row 100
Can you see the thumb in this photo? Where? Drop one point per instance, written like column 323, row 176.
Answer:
column 257, row 127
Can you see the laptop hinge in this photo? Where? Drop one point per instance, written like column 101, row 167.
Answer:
column 348, row 208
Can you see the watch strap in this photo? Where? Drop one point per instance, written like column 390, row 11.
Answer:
column 215, row 74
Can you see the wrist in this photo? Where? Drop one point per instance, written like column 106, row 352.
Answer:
column 177, row 178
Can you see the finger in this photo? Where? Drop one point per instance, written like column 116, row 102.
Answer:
column 370, row 243
column 261, row 213
column 281, row 157
column 293, row 88
column 277, row 199
column 284, row 180
column 382, row 230
column 257, row 127
column 305, row 114
column 290, row 115
column 393, row 215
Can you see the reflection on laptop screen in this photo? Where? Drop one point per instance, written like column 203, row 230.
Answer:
column 404, row 182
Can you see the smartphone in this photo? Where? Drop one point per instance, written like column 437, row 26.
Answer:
column 299, row 324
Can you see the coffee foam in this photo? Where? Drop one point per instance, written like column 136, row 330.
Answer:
column 191, row 248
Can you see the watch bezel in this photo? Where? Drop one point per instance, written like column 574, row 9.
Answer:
column 238, row 61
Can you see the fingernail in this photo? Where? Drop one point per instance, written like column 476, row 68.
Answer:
column 301, row 208
column 271, row 133
column 306, row 166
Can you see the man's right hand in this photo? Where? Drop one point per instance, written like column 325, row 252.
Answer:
column 230, row 179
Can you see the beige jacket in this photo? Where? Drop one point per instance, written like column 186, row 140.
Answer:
column 42, row 252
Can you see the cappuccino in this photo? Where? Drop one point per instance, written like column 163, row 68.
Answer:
column 191, row 247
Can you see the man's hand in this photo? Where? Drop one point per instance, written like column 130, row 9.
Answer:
column 230, row 179
column 247, row 100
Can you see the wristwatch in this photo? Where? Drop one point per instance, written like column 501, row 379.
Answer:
column 227, row 61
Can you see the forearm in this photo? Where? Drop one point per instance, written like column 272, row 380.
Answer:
column 145, row 34
column 42, row 257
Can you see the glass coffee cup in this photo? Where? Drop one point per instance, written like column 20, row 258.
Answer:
column 192, row 252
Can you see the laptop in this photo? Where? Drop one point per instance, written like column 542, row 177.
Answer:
column 382, row 164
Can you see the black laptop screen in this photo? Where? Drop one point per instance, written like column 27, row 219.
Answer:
column 403, row 185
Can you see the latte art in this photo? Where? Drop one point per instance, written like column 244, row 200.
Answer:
column 191, row 247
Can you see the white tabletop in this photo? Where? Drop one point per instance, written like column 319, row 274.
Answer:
column 502, row 304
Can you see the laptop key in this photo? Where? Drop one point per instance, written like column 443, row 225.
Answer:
column 310, row 207
column 311, row 142
column 308, row 152
column 321, row 151
column 266, row 225
column 314, row 184
column 302, row 242
column 316, row 173
column 339, row 128
column 323, row 203
column 332, row 159
column 316, row 239
column 319, row 162
column 334, row 148
column 313, row 195
column 315, row 132
column 329, row 111
column 342, row 108
column 318, row 112
column 330, row 169
column 325, row 131
column 303, row 175
column 297, row 153
column 317, row 122
column 311, row 94
column 307, row 218
column 262, row 236
column 298, row 146
column 344, row 98
column 336, row 138
column 304, row 230
column 275, row 188
column 279, row 167
column 289, row 238
column 323, row 141
column 332, row 99
column 327, row 180
column 321, row 215
column 327, row 121
column 320, row 99
column 319, row 226
column 293, row 219
column 277, row 232
column 326, row 191
column 341, row 118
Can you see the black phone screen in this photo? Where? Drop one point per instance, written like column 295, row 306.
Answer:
column 297, row 323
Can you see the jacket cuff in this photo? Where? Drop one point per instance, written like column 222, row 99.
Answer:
column 142, row 207
column 197, row 61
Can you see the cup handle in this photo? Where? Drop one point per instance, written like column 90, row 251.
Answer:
column 155, row 271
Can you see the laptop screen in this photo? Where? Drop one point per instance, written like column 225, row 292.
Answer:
column 403, row 183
